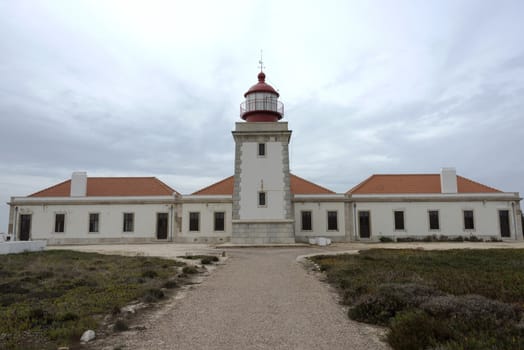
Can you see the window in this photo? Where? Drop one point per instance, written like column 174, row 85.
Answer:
column 261, row 149
column 129, row 222
column 261, row 199
column 433, row 220
column 194, row 221
column 469, row 223
column 332, row 221
column 399, row 220
column 59, row 222
column 93, row 222
column 219, row 221
column 306, row 221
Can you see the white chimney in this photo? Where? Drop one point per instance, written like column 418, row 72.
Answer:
column 448, row 180
column 79, row 184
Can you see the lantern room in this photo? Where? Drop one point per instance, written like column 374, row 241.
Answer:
column 261, row 103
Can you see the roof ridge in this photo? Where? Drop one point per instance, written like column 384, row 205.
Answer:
column 478, row 183
column 162, row 183
column 408, row 174
column 50, row 187
column 362, row 183
column 121, row 177
column 312, row 183
column 213, row 184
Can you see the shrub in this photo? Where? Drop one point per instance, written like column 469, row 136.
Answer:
column 494, row 239
column 68, row 316
column 206, row 261
column 473, row 239
column 406, row 239
column 120, row 326
column 189, row 270
column 470, row 307
column 170, row 284
column 115, row 310
column 385, row 239
column 390, row 299
column 153, row 295
column 432, row 238
column 415, row 330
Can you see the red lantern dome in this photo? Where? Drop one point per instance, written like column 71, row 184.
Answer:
column 261, row 104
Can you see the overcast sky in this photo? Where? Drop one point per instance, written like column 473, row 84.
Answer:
column 151, row 88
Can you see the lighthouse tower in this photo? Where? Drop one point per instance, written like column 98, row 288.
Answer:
column 262, row 211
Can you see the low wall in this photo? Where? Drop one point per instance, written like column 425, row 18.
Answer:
column 22, row 246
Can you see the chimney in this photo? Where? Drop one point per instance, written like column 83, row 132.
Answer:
column 448, row 180
column 79, row 184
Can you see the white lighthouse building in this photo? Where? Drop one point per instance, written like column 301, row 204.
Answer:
column 262, row 210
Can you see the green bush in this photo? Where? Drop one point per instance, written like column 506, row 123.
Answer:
column 385, row 239
column 471, row 307
column 189, row 270
column 406, row 239
column 153, row 295
column 170, row 284
column 380, row 307
column 415, row 330
column 473, row 239
column 120, row 326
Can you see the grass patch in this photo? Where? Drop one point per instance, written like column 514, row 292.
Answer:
column 48, row 299
column 455, row 299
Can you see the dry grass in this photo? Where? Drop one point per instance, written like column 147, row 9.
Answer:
column 47, row 299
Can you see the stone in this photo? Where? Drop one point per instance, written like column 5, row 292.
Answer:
column 87, row 336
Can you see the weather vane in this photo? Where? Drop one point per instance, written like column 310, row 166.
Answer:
column 261, row 62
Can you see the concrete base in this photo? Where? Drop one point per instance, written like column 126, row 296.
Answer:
column 202, row 239
column 334, row 239
column 258, row 232
column 99, row 240
column 21, row 246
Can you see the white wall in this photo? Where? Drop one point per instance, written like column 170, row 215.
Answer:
column 77, row 220
column 319, row 218
column 257, row 170
column 451, row 220
column 207, row 220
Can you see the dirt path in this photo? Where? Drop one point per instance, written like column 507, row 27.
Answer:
column 261, row 299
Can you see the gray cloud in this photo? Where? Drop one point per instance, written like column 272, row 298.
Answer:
column 153, row 89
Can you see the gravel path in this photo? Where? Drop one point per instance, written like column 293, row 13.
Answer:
column 261, row 299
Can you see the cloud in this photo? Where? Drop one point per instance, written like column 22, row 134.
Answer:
column 153, row 89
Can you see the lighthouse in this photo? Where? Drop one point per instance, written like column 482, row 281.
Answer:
column 262, row 208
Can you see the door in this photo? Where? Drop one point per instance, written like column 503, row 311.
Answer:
column 161, row 225
column 364, row 224
column 504, row 223
column 25, row 227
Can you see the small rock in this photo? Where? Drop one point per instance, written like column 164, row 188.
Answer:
column 63, row 348
column 87, row 336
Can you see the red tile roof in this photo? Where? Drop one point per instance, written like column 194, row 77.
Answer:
column 298, row 186
column 415, row 183
column 112, row 186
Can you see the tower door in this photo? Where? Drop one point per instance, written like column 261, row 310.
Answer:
column 504, row 223
column 364, row 224
column 161, row 225
column 25, row 227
